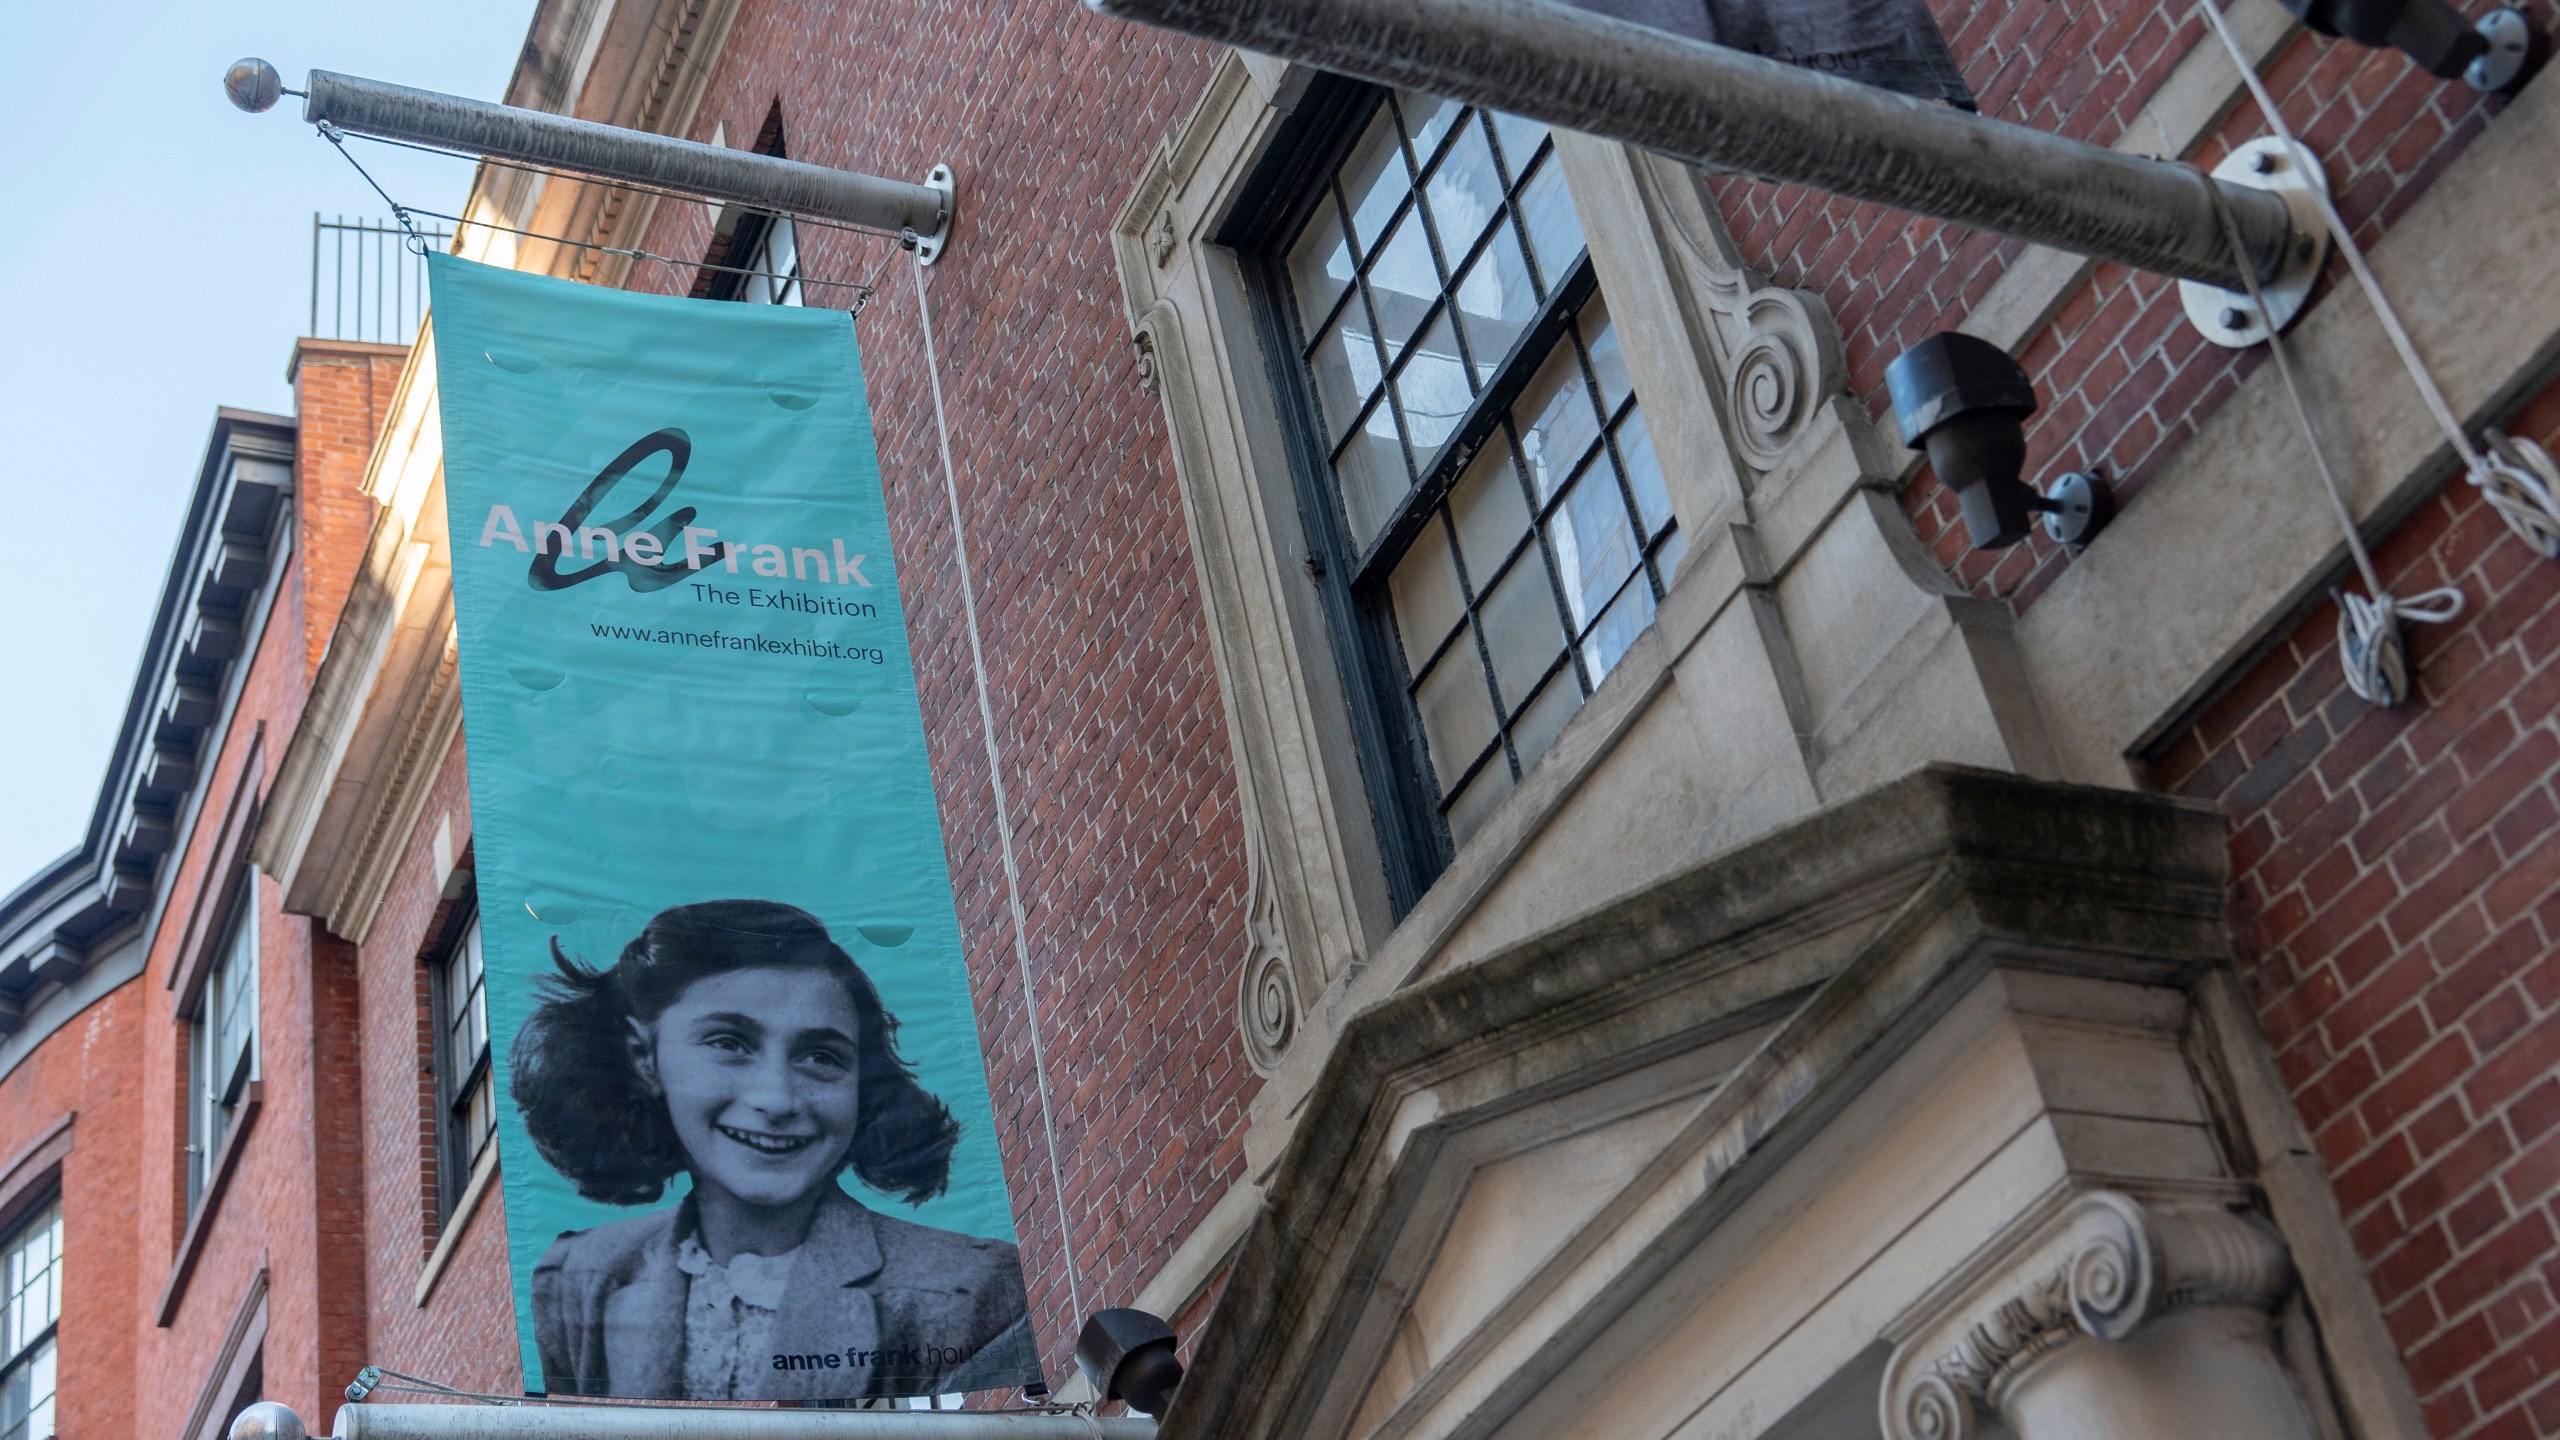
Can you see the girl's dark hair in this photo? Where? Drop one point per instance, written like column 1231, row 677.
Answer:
column 591, row 1116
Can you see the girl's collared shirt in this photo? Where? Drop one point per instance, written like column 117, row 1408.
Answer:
column 729, row 1313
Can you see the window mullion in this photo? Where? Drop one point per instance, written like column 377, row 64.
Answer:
column 1472, row 434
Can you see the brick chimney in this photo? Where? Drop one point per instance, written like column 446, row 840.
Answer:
column 342, row 395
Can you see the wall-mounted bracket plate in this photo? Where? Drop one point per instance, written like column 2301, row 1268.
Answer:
column 2230, row 317
column 929, row 247
column 2514, row 53
column 2082, row 506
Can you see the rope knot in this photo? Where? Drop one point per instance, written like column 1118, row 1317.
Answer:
column 2370, row 643
column 2520, row 481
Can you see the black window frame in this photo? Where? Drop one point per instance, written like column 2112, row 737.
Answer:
column 458, row 1153
column 1284, row 192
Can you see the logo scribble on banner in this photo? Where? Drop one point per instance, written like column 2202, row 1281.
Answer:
column 1890, row 44
column 748, row 1153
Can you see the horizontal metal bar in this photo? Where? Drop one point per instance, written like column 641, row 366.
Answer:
column 651, row 1422
column 1731, row 111
column 535, row 137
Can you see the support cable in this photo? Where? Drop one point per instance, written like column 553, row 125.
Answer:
column 2369, row 643
column 2517, row 477
column 995, row 777
column 416, row 242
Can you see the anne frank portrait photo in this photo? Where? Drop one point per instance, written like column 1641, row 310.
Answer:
column 736, row 1043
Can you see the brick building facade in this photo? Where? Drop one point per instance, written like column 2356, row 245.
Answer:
column 1731, row 1072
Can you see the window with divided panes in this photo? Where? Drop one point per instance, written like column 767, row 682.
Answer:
column 30, row 1309
column 1498, row 516
column 222, row 1039
column 469, row 1120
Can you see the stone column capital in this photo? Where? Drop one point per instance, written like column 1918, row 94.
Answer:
column 2098, row 1268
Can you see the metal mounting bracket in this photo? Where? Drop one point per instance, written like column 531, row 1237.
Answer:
column 940, row 181
column 2292, row 174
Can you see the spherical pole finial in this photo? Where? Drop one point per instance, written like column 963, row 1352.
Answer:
column 252, row 84
column 268, row 1420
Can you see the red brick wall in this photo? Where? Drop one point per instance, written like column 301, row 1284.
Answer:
column 342, row 393
column 464, row 1335
column 292, row 1202
column 1104, row 690
column 266, row 1214
column 2397, row 892
column 86, row 1067
column 2123, row 379
column 338, row 1122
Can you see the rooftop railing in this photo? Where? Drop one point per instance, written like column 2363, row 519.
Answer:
column 366, row 284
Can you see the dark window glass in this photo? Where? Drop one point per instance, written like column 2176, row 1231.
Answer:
column 470, row 1114
column 222, row 1040
column 1503, row 510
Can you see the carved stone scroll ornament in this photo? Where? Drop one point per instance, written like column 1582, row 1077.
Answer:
column 2098, row 1271
column 1777, row 350
column 1268, row 1003
column 1142, row 344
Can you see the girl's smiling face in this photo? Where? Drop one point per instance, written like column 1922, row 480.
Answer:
column 763, row 1077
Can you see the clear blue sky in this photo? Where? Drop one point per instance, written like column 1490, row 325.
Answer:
column 155, row 262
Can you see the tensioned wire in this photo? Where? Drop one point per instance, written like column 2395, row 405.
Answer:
column 2522, row 498
column 863, row 290
column 995, row 777
column 2369, row 643
column 2517, row 478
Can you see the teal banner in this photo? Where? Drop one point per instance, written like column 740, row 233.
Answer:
column 746, row 1146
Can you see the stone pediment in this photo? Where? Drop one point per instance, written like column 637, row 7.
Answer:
column 1504, row 1163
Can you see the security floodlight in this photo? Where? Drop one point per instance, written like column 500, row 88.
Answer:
column 1128, row 1355
column 2493, row 55
column 1966, row 402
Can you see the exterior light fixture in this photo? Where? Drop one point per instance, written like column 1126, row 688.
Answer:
column 2495, row 55
column 267, row 1419
column 1966, row 403
column 1128, row 1355
column 252, row 84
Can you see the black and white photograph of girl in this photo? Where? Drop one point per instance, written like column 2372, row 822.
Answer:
column 735, row 1043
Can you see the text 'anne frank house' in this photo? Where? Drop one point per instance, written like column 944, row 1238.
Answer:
column 1564, row 891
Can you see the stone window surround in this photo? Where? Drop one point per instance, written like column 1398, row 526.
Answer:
column 1417, row 848
column 1733, row 375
